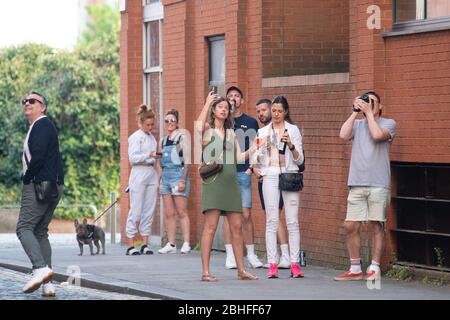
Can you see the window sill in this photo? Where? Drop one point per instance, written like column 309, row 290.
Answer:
column 422, row 26
column 306, row 80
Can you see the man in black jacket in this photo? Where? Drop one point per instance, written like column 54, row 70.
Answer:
column 41, row 162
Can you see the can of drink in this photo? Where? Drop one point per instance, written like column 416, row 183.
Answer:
column 302, row 259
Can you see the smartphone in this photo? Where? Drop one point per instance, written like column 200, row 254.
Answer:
column 212, row 88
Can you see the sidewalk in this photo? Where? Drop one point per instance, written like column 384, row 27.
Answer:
column 176, row 276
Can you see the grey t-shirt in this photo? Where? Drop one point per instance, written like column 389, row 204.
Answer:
column 369, row 165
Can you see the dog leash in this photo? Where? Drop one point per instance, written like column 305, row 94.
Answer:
column 127, row 190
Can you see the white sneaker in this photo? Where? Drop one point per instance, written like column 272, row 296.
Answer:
column 48, row 290
column 186, row 248
column 230, row 263
column 168, row 249
column 284, row 263
column 254, row 262
column 39, row 276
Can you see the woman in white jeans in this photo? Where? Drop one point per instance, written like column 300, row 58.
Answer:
column 278, row 133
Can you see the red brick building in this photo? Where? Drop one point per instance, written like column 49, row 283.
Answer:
column 320, row 55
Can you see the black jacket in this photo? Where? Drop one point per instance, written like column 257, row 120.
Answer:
column 46, row 161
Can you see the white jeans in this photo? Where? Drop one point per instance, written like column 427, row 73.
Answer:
column 142, row 207
column 291, row 204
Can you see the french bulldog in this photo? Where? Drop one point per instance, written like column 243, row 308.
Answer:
column 88, row 233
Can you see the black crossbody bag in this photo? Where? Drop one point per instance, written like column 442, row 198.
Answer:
column 289, row 181
column 45, row 190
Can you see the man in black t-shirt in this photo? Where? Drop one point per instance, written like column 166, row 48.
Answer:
column 245, row 128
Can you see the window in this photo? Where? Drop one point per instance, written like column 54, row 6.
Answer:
column 422, row 206
column 216, row 46
column 408, row 10
column 152, row 64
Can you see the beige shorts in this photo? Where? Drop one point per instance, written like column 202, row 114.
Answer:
column 367, row 204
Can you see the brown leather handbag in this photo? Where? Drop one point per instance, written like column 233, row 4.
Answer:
column 209, row 170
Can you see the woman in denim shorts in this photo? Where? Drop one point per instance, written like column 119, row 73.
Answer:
column 174, row 184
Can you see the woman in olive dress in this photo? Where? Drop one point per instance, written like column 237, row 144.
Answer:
column 221, row 193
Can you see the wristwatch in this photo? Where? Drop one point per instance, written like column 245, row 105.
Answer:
column 293, row 148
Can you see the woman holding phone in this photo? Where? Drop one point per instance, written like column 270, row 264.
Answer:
column 174, row 184
column 221, row 192
column 143, row 182
column 282, row 154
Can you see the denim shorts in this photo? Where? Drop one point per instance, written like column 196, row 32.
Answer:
column 170, row 179
column 245, row 182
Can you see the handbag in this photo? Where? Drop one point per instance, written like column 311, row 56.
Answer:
column 289, row 181
column 210, row 169
column 207, row 170
column 46, row 190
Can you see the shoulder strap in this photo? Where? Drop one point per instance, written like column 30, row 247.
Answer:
column 164, row 142
column 177, row 139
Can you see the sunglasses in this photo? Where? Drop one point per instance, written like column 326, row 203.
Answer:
column 30, row 101
column 170, row 121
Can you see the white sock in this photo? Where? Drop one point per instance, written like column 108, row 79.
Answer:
column 355, row 265
column 250, row 250
column 374, row 266
column 284, row 250
column 229, row 250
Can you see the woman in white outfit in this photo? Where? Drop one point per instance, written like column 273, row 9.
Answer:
column 143, row 181
column 277, row 133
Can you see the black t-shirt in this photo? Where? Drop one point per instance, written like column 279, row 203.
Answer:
column 245, row 123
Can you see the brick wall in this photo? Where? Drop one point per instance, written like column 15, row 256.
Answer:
column 417, row 96
column 304, row 37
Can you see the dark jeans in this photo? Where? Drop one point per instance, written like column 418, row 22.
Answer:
column 32, row 226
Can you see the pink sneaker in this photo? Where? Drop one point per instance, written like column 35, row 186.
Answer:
column 296, row 272
column 273, row 271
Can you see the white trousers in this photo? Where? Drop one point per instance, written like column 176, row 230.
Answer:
column 142, row 207
column 291, row 200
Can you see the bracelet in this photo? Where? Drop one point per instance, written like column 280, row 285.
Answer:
column 293, row 148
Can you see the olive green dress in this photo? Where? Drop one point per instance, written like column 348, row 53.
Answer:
column 222, row 191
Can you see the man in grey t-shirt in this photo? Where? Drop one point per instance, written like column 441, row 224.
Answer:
column 369, row 181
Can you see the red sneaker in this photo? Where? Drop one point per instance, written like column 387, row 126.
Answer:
column 273, row 271
column 349, row 276
column 296, row 272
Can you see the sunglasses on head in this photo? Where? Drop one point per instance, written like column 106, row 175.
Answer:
column 170, row 120
column 30, row 101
